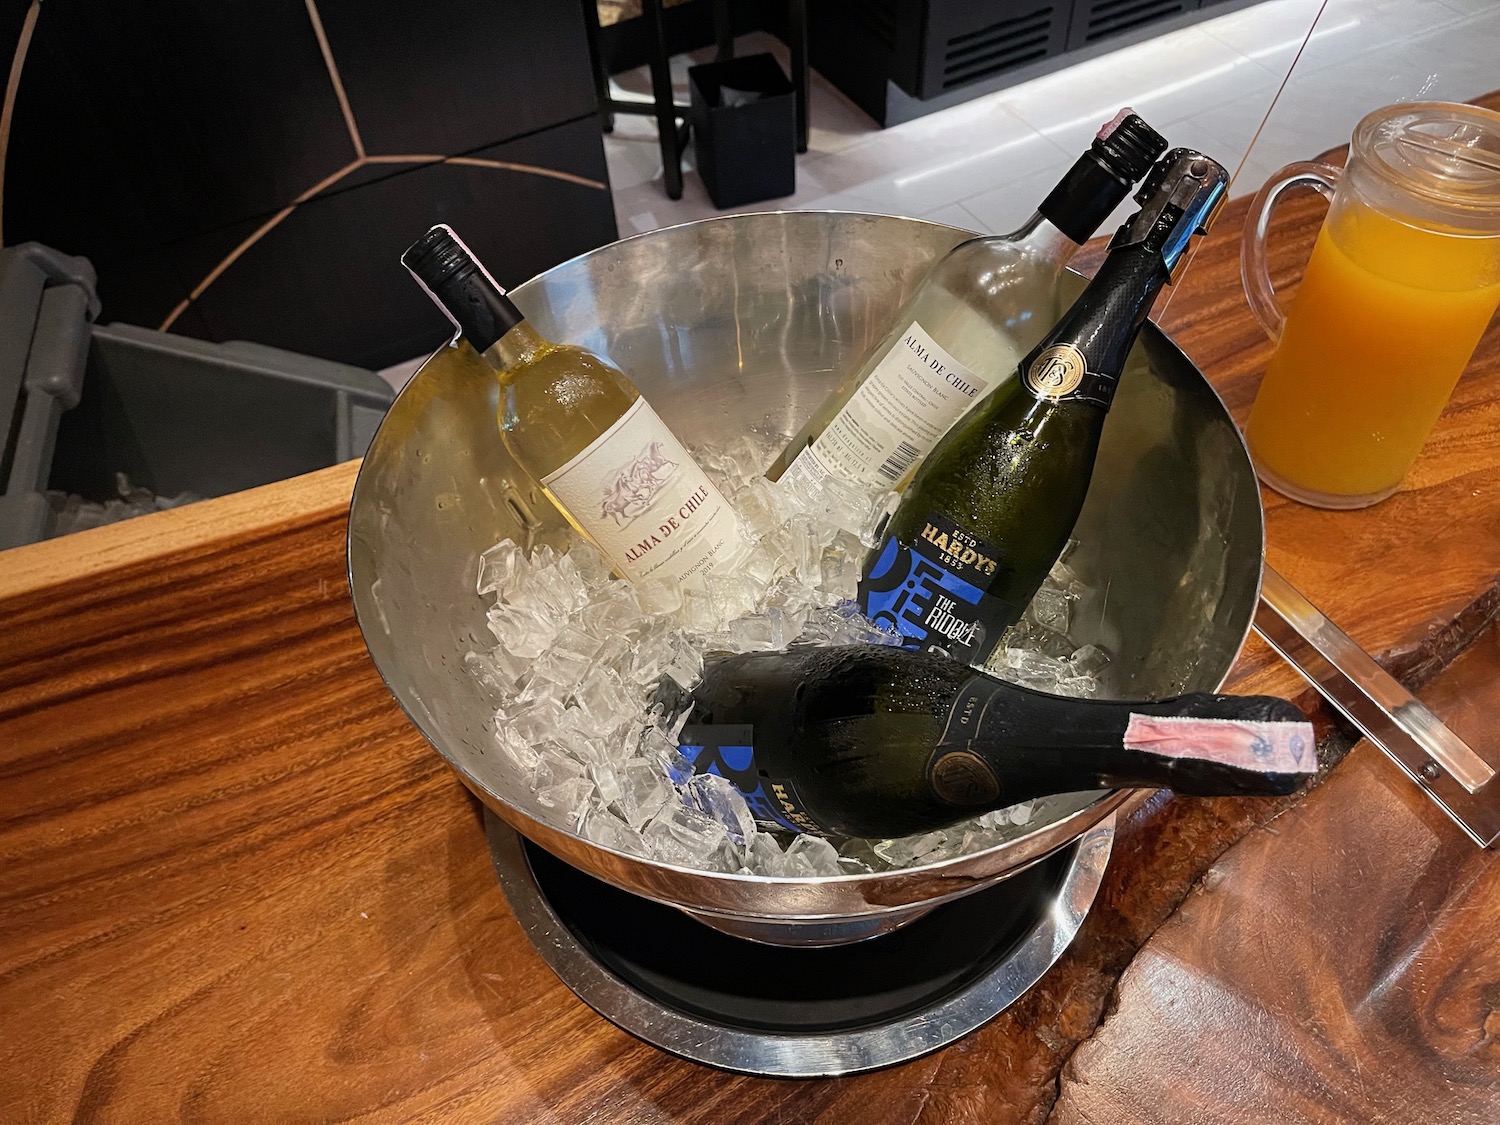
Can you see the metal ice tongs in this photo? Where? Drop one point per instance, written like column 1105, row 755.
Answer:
column 1448, row 770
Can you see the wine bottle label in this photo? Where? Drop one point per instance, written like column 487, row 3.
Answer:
column 728, row 749
column 1060, row 373
column 638, row 495
column 934, row 590
column 909, row 400
column 1266, row 747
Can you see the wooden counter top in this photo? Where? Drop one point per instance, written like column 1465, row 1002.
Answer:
column 237, row 886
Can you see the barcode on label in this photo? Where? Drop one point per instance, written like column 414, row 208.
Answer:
column 899, row 461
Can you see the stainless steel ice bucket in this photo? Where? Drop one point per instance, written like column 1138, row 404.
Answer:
column 749, row 320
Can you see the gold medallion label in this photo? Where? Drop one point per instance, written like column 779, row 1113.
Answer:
column 962, row 777
column 1056, row 373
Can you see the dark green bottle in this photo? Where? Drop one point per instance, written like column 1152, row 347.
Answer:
column 875, row 741
column 992, row 507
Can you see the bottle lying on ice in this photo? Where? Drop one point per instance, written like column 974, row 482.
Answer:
column 874, row 741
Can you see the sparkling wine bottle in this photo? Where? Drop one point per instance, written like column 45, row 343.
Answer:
column 581, row 428
column 875, row 741
column 960, row 334
column 992, row 507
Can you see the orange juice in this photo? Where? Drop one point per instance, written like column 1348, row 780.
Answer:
column 1379, row 331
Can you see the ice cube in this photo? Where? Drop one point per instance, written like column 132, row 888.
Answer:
column 605, row 828
column 1026, row 664
column 592, row 567
column 1079, row 687
column 612, row 609
column 763, row 855
column 496, row 670
column 647, row 657
column 732, row 595
column 762, row 566
column 796, row 541
column 570, row 656
column 616, row 652
column 603, row 699
column 555, row 591
column 831, row 566
column 673, row 763
column 717, row 797
column 752, row 633
column 880, row 510
column 906, row 850
column 758, row 507
column 514, row 749
column 751, row 456
column 1090, row 660
column 555, row 766
column 535, row 721
column 685, row 663
column 818, row 853
column 698, row 612
column 683, row 835
column 857, row 856
column 659, row 595
column 500, row 568
column 568, row 799
column 1052, row 609
column 606, row 780
column 521, row 629
column 643, row 791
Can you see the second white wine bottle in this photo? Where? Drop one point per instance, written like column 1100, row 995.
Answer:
column 993, row 506
column 874, row 741
column 960, row 333
column 582, row 430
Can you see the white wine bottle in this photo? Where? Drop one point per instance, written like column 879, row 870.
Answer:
column 581, row 428
column 867, row 740
column 959, row 335
column 991, row 509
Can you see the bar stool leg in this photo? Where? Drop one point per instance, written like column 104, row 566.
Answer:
column 596, row 61
column 666, row 112
column 796, row 20
column 723, row 33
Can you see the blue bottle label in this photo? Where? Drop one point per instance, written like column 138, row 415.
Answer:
column 934, row 590
column 728, row 749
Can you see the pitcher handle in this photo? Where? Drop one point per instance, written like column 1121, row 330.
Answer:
column 1254, row 269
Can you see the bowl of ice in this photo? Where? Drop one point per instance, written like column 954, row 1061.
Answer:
column 529, row 667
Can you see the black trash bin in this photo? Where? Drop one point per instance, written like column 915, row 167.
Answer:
column 744, row 119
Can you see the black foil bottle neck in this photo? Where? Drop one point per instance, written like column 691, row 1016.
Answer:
column 461, row 287
column 1083, row 198
column 1101, row 178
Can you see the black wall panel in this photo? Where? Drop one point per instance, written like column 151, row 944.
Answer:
column 161, row 138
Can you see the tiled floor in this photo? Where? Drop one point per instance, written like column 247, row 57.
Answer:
column 984, row 165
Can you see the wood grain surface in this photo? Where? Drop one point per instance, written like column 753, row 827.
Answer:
column 235, row 884
column 1321, row 974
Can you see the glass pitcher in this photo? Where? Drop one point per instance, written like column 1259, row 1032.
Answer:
column 1401, row 284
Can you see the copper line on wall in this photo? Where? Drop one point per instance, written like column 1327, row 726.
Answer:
column 8, row 108
column 260, row 232
column 333, row 76
column 531, row 169
column 482, row 162
column 360, row 160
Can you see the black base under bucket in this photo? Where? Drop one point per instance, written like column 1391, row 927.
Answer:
column 798, row 1012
